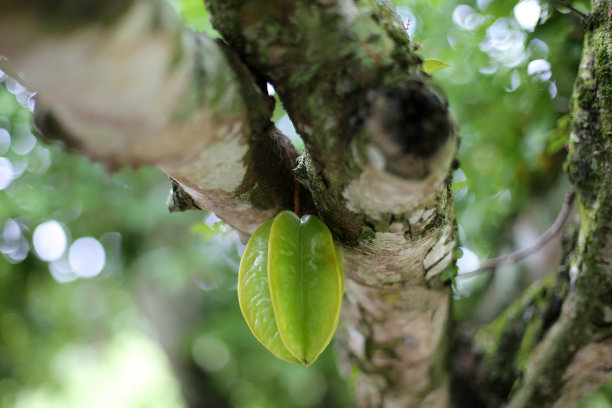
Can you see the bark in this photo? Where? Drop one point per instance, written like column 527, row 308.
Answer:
column 379, row 145
column 126, row 84
column 552, row 347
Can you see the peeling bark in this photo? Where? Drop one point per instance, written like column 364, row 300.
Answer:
column 396, row 312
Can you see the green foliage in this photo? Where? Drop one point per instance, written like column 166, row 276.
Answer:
column 195, row 16
column 504, row 113
column 432, row 65
column 599, row 399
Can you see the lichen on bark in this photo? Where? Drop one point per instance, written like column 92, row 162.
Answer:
column 379, row 144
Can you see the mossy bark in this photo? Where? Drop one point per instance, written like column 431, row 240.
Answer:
column 552, row 346
column 379, row 147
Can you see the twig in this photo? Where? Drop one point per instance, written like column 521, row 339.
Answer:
column 296, row 198
column 570, row 7
column 555, row 229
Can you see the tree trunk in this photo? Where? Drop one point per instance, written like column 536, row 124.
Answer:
column 127, row 85
column 553, row 346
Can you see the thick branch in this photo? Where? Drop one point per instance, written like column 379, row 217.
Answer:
column 577, row 342
column 374, row 126
column 379, row 145
column 134, row 87
column 564, row 352
column 486, row 373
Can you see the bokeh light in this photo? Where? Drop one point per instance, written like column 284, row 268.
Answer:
column 23, row 142
column 527, row 13
column 6, row 172
column 467, row 18
column 539, row 69
column 210, row 353
column 61, row 271
column 13, row 244
column 49, row 240
column 467, row 263
column 87, row 257
column 5, row 141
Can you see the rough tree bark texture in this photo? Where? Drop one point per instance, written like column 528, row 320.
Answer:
column 128, row 86
column 553, row 346
column 379, row 146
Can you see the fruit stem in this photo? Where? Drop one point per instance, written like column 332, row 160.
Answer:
column 296, row 198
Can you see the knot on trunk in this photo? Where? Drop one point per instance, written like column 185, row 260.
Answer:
column 409, row 124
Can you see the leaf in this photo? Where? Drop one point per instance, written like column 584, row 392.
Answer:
column 294, row 309
column 432, row 65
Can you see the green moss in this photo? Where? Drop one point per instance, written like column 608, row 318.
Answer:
column 392, row 298
column 368, row 235
column 323, row 69
column 507, row 344
column 246, row 196
column 528, row 343
column 588, row 163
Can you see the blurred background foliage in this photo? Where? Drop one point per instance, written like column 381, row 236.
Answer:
column 106, row 299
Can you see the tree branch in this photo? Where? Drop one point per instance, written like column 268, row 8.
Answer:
column 570, row 7
column 569, row 362
column 553, row 231
column 374, row 128
column 377, row 131
column 379, row 144
column 135, row 87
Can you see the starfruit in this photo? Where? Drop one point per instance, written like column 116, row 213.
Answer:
column 290, row 286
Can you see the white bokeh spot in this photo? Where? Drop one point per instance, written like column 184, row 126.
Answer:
column 539, row 69
column 527, row 13
column 5, row 141
column 6, row 172
column 61, row 271
column 49, row 240
column 86, row 257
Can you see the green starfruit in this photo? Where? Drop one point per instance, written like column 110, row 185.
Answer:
column 290, row 286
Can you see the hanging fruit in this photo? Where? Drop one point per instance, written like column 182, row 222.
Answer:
column 290, row 286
